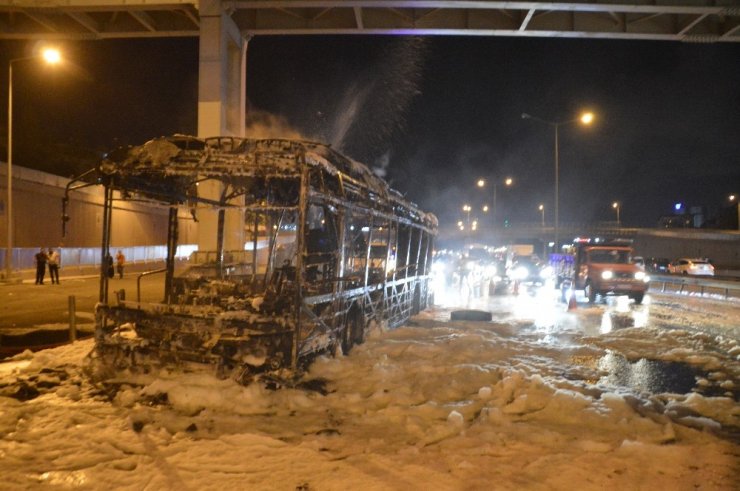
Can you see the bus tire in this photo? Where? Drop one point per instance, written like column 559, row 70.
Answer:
column 471, row 315
column 416, row 305
column 353, row 332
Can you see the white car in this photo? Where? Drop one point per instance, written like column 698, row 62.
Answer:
column 693, row 266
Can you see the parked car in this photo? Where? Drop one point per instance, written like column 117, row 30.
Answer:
column 692, row 266
column 657, row 264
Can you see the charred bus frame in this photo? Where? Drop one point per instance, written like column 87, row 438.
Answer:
column 332, row 250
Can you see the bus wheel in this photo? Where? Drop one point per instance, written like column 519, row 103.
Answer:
column 357, row 328
column 353, row 333
column 416, row 306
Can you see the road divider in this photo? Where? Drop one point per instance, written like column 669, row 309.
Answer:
column 692, row 284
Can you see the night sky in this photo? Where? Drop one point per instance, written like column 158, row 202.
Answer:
column 432, row 114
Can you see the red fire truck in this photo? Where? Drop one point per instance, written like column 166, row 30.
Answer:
column 601, row 267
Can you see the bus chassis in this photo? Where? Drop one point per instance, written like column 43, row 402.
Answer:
column 332, row 251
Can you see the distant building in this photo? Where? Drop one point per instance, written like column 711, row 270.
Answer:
column 693, row 217
column 675, row 221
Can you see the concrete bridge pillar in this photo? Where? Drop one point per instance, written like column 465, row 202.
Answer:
column 221, row 110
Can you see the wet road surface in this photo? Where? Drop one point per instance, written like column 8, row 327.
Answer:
column 633, row 353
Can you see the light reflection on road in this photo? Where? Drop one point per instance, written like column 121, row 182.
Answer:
column 538, row 311
column 537, row 315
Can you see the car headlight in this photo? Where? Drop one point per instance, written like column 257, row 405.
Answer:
column 640, row 275
column 607, row 275
column 521, row 273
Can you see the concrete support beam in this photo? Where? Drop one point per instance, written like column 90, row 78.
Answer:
column 222, row 73
column 221, row 110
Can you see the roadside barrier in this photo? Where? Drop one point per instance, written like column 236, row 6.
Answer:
column 692, row 284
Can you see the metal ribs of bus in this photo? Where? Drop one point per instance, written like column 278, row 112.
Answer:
column 317, row 197
column 358, row 292
column 395, row 299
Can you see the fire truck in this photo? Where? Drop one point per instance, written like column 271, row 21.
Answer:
column 600, row 267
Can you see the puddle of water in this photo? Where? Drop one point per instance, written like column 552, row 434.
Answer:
column 657, row 376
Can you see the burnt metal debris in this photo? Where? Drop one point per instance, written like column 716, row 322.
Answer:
column 330, row 250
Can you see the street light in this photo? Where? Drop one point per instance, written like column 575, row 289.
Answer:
column 616, row 206
column 585, row 118
column 51, row 56
column 494, row 183
column 734, row 199
column 542, row 210
column 466, row 209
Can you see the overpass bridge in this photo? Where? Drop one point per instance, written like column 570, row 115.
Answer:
column 722, row 246
column 667, row 20
column 535, row 233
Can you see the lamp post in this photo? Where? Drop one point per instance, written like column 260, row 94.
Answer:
column 51, row 56
column 616, row 206
column 494, row 183
column 542, row 211
column 586, row 118
column 466, row 209
column 734, row 199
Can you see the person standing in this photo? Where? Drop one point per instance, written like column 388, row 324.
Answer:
column 53, row 261
column 109, row 265
column 41, row 259
column 120, row 263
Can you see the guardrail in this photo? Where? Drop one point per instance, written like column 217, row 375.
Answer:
column 693, row 284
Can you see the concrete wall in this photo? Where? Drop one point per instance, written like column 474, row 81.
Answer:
column 37, row 212
column 723, row 248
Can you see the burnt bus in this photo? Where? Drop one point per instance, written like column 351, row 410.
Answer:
column 330, row 250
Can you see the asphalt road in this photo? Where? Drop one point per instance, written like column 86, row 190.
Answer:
column 27, row 305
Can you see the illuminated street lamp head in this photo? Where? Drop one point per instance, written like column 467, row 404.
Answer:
column 732, row 197
column 466, row 208
column 508, row 181
column 541, row 207
column 485, row 208
column 51, row 55
column 587, row 118
column 481, row 183
column 615, row 205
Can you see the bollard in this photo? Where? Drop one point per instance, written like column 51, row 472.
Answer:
column 72, row 319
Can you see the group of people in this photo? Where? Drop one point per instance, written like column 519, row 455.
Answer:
column 120, row 263
column 50, row 258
